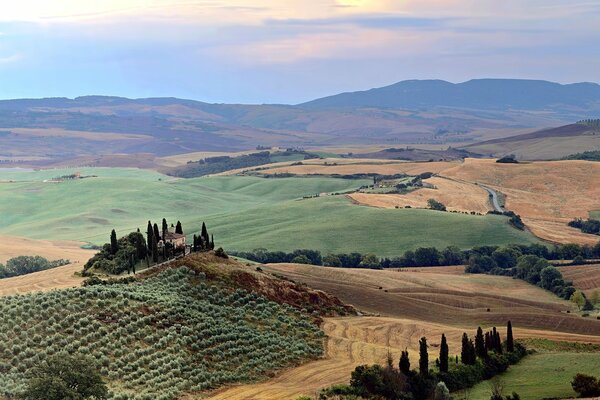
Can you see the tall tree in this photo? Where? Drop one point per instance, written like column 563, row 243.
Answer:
column 488, row 342
column 212, row 242
column 149, row 234
column 165, row 228
column 179, row 228
column 204, row 235
column 467, row 352
column 510, row 344
column 114, row 244
column 156, row 233
column 423, row 357
column 480, row 349
column 444, row 354
column 404, row 362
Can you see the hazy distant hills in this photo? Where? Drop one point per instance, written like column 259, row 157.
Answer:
column 545, row 144
column 409, row 112
column 485, row 94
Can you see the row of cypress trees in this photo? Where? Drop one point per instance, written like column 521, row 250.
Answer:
column 469, row 351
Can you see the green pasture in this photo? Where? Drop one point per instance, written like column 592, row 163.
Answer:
column 543, row 376
column 243, row 212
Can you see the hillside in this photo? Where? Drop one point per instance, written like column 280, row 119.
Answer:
column 483, row 94
column 191, row 327
column 101, row 129
column 545, row 144
column 403, row 306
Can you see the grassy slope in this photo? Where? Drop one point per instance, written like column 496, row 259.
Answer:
column 543, row 375
column 334, row 224
column 243, row 212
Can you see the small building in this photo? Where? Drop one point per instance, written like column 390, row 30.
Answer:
column 175, row 239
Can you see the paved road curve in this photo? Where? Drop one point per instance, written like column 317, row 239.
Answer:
column 495, row 201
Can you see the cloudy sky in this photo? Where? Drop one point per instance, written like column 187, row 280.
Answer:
column 286, row 51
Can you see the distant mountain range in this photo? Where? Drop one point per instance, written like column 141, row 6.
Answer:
column 409, row 112
column 483, row 94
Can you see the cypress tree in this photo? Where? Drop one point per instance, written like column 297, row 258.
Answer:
column 179, row 228
column 480, row 344
column 488, row 342
column 165, row 228
column 149, row 234
column 423, row 357
column 157, row 236
column 404, row 363
column 467, row 352
column 498, row 343
column 212, row 242
column 510, row 344
column 114, row 245
column 444, row 354
column 204, row 235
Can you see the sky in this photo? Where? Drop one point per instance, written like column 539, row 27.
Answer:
column 286, row 51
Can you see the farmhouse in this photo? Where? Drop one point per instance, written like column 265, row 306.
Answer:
column 175, row 239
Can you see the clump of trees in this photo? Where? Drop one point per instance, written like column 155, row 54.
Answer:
column 125, row 253
column 591, row 226
column 509, row 159
column 436, row 205
column 586, row 385
column 479, row 361
column 531, row 268
column 586, row 155
column 24, row 265
column 63, row 377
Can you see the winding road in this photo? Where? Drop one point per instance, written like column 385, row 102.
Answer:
column 494, row 196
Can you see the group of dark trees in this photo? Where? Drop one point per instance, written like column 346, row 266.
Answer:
column 125, row 253
column 586, row 385
column 528, row 267
column 482, row 360
column 215, row 165
column 513, row 218
column 591, row 226
column 481, row 259
column 436, row 205
column 65, row 377
column 509, row 159
column 23, row 265
column 586, row 155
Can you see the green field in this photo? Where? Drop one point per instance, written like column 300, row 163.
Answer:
column 243, row 212
column 543, row 375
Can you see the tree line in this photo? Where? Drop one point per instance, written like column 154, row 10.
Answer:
column 479, row 360
column 23, row 265
column 483, row 258
column 591, row 226
column 125, row 253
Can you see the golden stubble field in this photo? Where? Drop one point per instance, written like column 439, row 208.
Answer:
column 57, row 278
column 411, row 304
column 546, row 194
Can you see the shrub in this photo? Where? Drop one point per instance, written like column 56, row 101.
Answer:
column 221, row 253
column 586, row 385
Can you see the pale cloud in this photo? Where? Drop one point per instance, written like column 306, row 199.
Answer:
column 10, row 59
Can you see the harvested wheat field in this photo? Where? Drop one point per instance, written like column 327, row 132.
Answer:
column 547, row 195
column 438, row 300
column 62, row 277
column 456, row 196
column 584, row 277
column 445, row 298
column 359, row 166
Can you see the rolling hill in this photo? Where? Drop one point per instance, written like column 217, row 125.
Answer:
column 545, row 144
column 44, row 132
